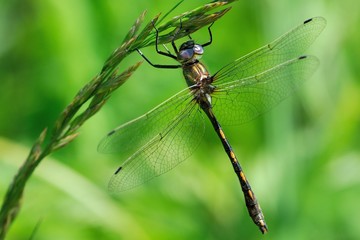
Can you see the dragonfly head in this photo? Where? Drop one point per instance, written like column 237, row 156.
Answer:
column 190, row 52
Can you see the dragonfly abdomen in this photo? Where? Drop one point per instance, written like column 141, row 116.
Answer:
column 252, row 204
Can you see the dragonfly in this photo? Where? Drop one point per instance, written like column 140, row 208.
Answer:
column 240, row 91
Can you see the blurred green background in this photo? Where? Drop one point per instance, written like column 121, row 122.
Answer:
column 302, row 158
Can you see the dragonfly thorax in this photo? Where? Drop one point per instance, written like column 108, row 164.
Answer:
column 190, row 52
column 197, row 76
column 199, row 80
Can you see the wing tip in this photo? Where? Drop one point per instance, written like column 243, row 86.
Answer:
column 318, row 19
column 308, row 20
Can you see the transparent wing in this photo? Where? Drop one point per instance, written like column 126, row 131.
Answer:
column 155, row 142
column 129, row 137
column 290, row 45
column 242, row 100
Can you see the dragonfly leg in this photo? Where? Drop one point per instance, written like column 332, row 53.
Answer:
column 157, row 65
column 168, row 54
column 174, row 37
column 210, row 34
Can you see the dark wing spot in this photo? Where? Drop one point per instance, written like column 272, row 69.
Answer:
column 307, row 21
column 118, row 170
column 111, row 133
column 302, row 57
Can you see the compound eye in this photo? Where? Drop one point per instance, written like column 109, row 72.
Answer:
column 186, row 54
column 198, row 49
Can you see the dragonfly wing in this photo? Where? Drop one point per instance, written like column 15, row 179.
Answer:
column 129, row 137
column 242, row 100
column 290, row 45
column 162, row 153
column 156, row 141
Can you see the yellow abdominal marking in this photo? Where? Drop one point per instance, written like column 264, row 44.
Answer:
column 222, row 134
column 251, row 194
column 243, row 176
column 232, row 155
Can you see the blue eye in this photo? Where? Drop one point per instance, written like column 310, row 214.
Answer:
column 186, row 54
column 198, row 49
